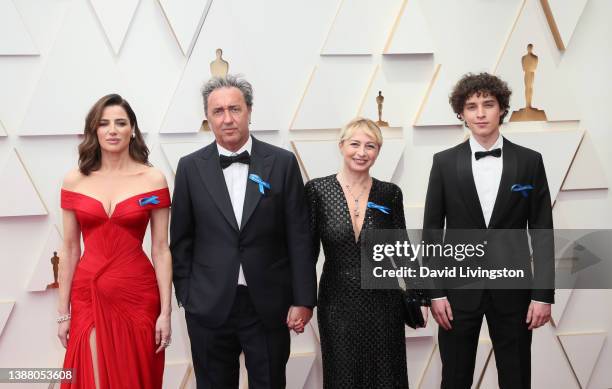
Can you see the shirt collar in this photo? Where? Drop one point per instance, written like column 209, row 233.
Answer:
column 246, row 147
column 475, row 146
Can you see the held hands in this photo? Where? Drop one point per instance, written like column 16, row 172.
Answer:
column 442, row 313
column 298, row 317
column 162, row 332
column 538, row 314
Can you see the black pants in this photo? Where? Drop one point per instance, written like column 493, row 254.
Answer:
column 216, row 351
column 511, row 345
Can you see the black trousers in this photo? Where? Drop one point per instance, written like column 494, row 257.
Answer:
column 511, row 345
column 216, row 351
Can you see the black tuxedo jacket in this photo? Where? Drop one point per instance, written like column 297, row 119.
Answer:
column 273, row 243
column 452, row 203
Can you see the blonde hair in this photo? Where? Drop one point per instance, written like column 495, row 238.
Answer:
column 367, row 125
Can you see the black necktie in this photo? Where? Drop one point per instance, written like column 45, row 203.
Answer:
column 243, row 157
column 493, row 153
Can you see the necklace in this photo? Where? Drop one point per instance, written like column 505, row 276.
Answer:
column 356, row 198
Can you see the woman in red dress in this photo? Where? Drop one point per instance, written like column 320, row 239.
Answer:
column 114, row 305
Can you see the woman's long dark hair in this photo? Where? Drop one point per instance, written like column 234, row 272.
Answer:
column 89, row 150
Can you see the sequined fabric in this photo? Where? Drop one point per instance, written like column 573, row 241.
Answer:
column 362, row 331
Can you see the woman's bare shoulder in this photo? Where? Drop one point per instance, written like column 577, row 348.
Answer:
column 72, row 179
column 155, row 177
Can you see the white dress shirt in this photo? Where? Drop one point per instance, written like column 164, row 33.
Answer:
column 487, row 172
column 236, row 176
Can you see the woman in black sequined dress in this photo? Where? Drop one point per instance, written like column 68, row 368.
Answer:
column 362, row 331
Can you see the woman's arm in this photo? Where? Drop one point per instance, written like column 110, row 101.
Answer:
column 162, row 262
column 69, row 254
column 162, row 259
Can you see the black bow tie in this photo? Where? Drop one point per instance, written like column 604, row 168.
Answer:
column 243, row 157
column 493, row 153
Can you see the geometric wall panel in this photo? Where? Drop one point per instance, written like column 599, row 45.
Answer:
column 563, row 16
column 583, row 351
column 433, row 372
column 550, row 91
column 397, row 77
column 15, row 38
column 304, row 342
column 260, row 64
column 42, row 275
column 174, row 151
column 18, row 196
column 547, row 355
column 323, row 107
column 73, row 79
column 298, row 368
column 361, row 27
column 418, row 351
column 483, row 358
column 454, row 55
column 322, row 158
column 488, row 374
column 115, row 17
column 430, row 330
column 6, row 307
column 176, row 374
column 586, row 171
column 557, row 149
column 562, row 297
column 411, row 35
column 185, row 18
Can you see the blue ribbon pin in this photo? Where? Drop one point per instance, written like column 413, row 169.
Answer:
column 381, row 208
column 524, row 189
column 262, row 184
column 148, row 200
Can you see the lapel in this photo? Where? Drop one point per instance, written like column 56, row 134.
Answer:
column 214, row 181
column 508, row 178
column 261, row 164
column 467, row 187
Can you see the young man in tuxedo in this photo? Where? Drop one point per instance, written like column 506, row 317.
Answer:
column 243, row 263
column 473, row 186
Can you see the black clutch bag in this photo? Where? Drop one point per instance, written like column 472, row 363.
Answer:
column 412, row 301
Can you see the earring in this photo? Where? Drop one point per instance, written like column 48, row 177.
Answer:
column 133, row 134
column 461, row 119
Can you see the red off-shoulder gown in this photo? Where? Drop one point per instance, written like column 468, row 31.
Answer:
column 114, row 289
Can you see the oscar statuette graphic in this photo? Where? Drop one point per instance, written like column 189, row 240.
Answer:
column 380, row 99
column 55, row 263
column 528, row 114
column 218, row 68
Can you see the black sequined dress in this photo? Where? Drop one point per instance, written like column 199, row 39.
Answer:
column 362, row 331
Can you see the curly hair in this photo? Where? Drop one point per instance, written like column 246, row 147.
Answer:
column 90, row 156
column 477, row 84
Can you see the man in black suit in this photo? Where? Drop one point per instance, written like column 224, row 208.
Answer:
column 485, row 184
column 242, row 255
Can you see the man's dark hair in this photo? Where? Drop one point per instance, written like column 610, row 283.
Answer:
column 477, row 84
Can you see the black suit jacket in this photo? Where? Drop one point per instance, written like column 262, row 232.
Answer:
column 452, row 203
column 272, row 244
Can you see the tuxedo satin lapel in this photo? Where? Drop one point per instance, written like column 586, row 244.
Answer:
column 260, row 165
column 214, row 181
column 508, row 178
column 467, row 187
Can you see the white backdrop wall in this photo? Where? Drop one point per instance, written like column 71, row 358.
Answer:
column 314, row 65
